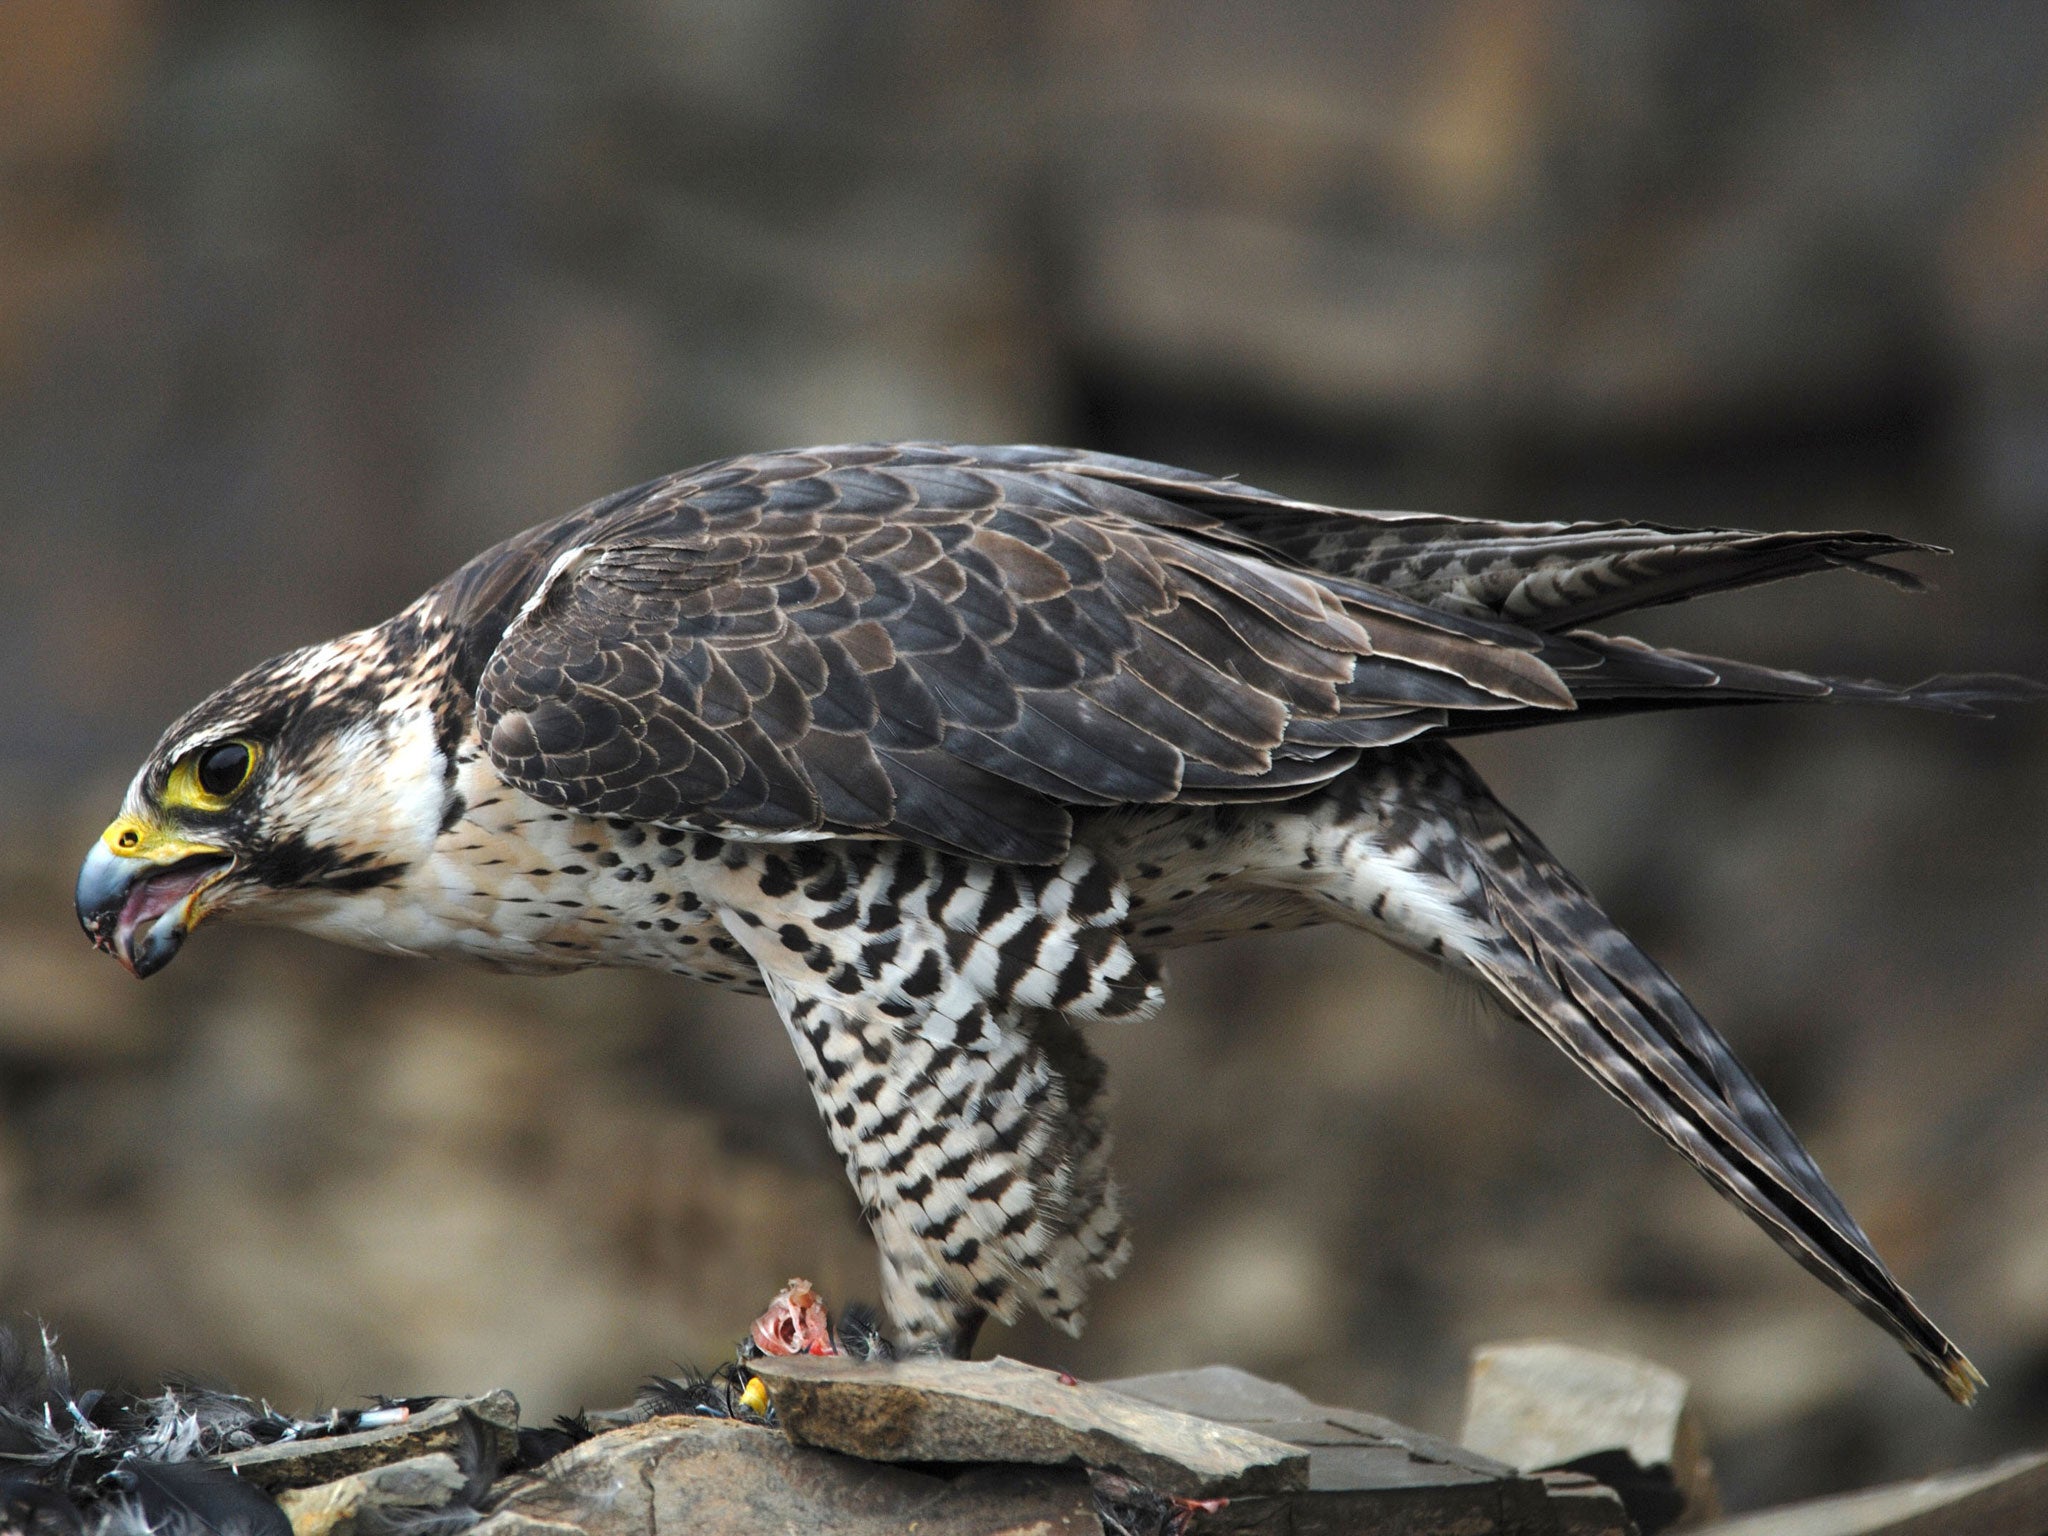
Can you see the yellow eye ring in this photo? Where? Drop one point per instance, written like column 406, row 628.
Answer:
column 208, row 777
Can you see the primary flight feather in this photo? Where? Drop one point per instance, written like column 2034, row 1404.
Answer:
column 942, row 748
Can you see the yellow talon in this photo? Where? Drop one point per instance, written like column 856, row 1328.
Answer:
column 755, row 1398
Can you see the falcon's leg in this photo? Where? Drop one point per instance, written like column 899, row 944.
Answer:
column 925, row 1325
column 1412, row 846
column 982, row 1173
column 919, row 992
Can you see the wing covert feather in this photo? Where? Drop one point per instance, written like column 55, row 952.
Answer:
column 953, row 649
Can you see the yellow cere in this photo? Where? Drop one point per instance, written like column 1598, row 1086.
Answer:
column 133, row 838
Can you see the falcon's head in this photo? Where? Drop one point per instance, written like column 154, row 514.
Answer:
column 314, row 778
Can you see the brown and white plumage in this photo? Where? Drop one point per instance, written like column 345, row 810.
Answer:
column 942, row 748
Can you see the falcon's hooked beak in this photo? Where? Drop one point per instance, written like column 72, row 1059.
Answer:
column 142, row 889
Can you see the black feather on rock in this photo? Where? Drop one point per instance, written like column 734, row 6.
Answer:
column 541, row 1444
column 859, row 1334
column 192, row 1498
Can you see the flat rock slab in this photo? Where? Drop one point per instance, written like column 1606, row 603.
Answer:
column 714, row 1477
column 303, row 1463
column 1005, row 1412
column 1540, row 1405
column 337, row 1508
column 2007, row 1498
column 1366, row 1473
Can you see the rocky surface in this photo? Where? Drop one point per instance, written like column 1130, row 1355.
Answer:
column 939, row 1448
column 489, row 1424
column 943, row 1447
column 952, row 1449
column 685, row 1476
column 1004, row 1411
column 2008, row 1498
column 1369, row 1473
column 375, row 1497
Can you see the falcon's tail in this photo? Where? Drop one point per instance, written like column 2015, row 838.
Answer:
column 1547, row 576
column 1504, row 910
column 1554, row 576
column 1615, row 675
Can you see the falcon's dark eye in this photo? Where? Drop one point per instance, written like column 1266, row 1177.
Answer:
column 224, row 769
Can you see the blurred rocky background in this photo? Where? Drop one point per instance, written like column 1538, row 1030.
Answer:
column 302, row 303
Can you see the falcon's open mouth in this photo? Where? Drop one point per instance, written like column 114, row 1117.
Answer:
column 139, row 912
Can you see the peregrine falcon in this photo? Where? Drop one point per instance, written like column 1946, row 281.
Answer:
column 942, row 748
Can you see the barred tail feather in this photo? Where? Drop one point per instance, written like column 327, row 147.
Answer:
column 1425, row 856
column 1566, row 970
column 1547, row 576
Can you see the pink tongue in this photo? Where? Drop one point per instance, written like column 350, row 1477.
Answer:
column 153, row 897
